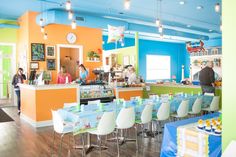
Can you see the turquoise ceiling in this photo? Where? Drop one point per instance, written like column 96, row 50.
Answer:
column 174, row 16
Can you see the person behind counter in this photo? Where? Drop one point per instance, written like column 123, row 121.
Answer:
column 132, row 76
column 18, row 78
column 63, row 77
column 83, row 74
column 207, row 78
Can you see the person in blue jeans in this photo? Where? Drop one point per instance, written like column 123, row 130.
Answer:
column 18, row 78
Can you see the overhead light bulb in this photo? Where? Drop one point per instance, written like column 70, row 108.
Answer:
column 41, row 22
column 45, row 36
column 158, row 22
column 217, row 7
column 73, row 24
column 70, row 15
column 160, row 29
column 42, row 29
column 210, row 30
column 188, row 26
column 199, row 7
column 127, row 4
column 181, row 2
column 68, row 5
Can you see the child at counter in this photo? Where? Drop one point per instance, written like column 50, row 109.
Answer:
column 83, row 74
column 63, row 77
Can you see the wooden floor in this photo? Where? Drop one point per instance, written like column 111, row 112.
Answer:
column 19, row 139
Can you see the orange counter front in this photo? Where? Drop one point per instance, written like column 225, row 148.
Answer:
column 128, row 92
column 38, row 101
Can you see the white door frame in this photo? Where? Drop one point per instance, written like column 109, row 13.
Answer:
column 13, row 62
column 59, row 46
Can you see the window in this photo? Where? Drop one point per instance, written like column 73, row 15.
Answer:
column 157, row 67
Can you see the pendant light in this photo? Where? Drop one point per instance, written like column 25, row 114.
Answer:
column 42, row 29
column 217, row 7
column 73, row 24
column 41, row 21
column 70, row 15
column 158, row 22
column 127, row 4
column 68, row 5
column 161, row 36
column 45, row 36
column 160, row 29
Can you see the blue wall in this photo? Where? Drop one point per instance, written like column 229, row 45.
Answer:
column 110, row 46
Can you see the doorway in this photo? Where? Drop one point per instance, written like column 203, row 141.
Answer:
column 7, row 70
column 69, row 56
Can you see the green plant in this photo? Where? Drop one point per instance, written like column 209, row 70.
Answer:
column 90, row 54
column 95, row 55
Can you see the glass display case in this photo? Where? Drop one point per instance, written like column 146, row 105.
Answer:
column 93, row 92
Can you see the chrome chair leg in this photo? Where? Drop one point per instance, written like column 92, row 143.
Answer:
column 136, row 135
column 117, row 142
column 53, row 143
column 61, row 144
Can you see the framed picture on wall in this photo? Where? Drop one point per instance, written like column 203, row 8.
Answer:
column 51, row 64
column 50, row 52
column 37, row 52
column 34, row 65
column 126, row 60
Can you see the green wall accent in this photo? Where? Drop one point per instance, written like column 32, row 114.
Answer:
column 8, row 35
column 137, row 52
column 128, row 51
column 167, row 89
column 229, row 75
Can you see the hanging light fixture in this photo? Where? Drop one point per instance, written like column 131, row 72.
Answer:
column 73, row 24
column 127, row 4
column 158, row 22
column 217, row 7
column 161, row 36
column 68, row 5
column 160, row 29
column 221, row 27
column 41, row 21
column 42, row 29
column 70, row 15
column 45, row 36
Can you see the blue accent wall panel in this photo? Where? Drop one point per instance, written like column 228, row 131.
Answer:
column 110, row 46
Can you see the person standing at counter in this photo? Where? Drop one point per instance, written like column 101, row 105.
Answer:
column 83, row 74
column 18, row 78
column 207, row 78
column 63, row 77
column 132, row 76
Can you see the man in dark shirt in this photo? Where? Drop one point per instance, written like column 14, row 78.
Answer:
column 207, row 78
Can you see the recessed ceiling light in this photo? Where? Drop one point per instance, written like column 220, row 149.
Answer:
column 210, row 30
column 217, row 7
column 188, row 26
column 181, row 2
column 199, row 7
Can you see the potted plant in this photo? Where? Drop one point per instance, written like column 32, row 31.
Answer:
column 90, row 55
column 47, row 77
column 96, row 57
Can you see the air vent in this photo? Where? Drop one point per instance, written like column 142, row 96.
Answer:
column 79, row 19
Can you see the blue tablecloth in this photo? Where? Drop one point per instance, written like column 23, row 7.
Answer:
column 169, row 144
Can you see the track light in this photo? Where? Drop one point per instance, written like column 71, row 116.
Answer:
column 41, row 22
column 70, row 15
column 158, row 22
column 127, row 4
column 160, row 29
column 68, row 5
column 42, row 29
column 217, row 7
column 73, row 24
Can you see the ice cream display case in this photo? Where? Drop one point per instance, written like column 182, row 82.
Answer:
column 94, row 92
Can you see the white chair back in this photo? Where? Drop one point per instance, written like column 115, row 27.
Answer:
column 153, row 96
column 215, row 103
column 209, row 94
column 163, row 112
column 126, row 118
column 135, row 98
column 197, row 106
column 107, row 123
column 146, row 115
column 183, row 109
column 57, row 122
column 68, row 105
column 179, row 94
column 94, row 102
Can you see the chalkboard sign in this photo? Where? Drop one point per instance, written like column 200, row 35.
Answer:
column 37, row 52
column 51, row 64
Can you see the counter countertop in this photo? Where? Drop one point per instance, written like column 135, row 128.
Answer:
column 128, row 88
column 176, row 85
column 50, row 86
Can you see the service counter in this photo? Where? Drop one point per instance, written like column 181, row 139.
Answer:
column 38, row 101
column 128, row 92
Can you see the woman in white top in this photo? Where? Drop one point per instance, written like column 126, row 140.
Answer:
column 132, row 76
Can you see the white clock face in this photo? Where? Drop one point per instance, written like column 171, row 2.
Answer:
column 71, row 38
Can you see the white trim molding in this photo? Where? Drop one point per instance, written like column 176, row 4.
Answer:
column 34, row 123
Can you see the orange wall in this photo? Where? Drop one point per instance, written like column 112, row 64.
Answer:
column 29, row 32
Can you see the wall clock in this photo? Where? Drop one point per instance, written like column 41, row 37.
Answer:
column 71, row 38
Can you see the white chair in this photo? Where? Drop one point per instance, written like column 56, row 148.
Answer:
column 106, row 126
column 153, row 96
column 163, row 114
column 126, row 120
column 214, row 106
column 60, row 127
column 209, row 94
column 135, row 98
column 197, row 107
column 94, row 102
column 146, row 116
column 182, row 111
column 68, row 105
column 179, row 94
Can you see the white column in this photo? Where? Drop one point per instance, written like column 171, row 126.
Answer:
column 182, row 77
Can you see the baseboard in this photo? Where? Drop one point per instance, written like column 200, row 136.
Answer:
column 34, row 123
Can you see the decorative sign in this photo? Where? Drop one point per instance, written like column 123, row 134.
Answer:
column 37, row 52
column 195, row 47
column 34, row 65
column 50, row 51
column 51, row 64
